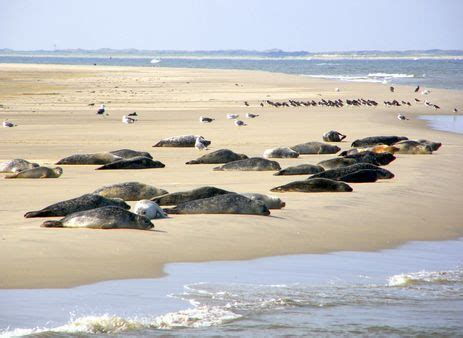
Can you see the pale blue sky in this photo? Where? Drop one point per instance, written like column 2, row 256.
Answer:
column 311, row 25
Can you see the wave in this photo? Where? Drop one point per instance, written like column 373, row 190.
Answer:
column 390, row 75
column 426, row 277
column 349, row 78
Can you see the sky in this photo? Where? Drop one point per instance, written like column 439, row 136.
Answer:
column 292, row 25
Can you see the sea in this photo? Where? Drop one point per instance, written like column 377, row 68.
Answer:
column 414, row 290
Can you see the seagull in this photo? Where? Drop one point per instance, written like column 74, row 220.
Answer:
column 128, row 120
column 240, row 123
column 455, row 110
column 402, row 117
column 251, row 116
column 417, row 100
column 8, row 124
column 204, row 119
column 133, row 114
column 425, row 92
column 199, row 143
column 417, row 89
column 336, row 89
column 246, row 103
column 101, row 110
column 232, row 116
column 427, row 103
column 391, row 89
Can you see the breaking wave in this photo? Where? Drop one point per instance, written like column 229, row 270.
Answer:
column 427, row 277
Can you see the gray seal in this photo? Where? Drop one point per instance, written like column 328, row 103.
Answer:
column 189, row 195
column 302, row 169
column 218, row 157
column 315, row 148
column 129, row 153
column 374, row 140
column 271, row 202
column 314, row 185
column 413, row 148
column 361, row 176
column 39, row 172
column 336, row 174
column 88, row 159
column 16, row 165
column 333, row 136
column 250, row 164
column 433, row 145
column 221, row 204
column 337, row 162
column 102, row 218
column 282, row 152
column 130, row 191
column 139, row 162
column 84, row 202
column 372, row 158
column 181, row 141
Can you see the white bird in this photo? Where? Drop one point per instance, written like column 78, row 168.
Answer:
column 199, row 143
column 336, row 89
column 232, row 116
column 101, row 110
column 240, row 123
column 204, row 119
column 8, row 124
column 425, row 92
column 251, row 116
column 402, row 117
column 128, row 120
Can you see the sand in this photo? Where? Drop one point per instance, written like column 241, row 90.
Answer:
column 50, row 105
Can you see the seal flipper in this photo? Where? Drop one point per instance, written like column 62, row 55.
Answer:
column 192, row 162
column 52, row 224
column 39, row 213
column 171, row 210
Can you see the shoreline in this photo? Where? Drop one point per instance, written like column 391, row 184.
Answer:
column 179, row 100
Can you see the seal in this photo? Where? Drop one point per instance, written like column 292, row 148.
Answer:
column 129, row 153
column 139, row 162
column 218, row 157
column 361, row 176
column 149, row 209
column 315, row 148
column 16, row 165
column 271, row 202
column 374, row 140
column 189, row 195
column 110, row 217
column 333, row 136
column 336, row 174
column 314, row 185
column 39, row 172
column 250, row 164
column 413, row 148
column 380, row 148
column 180, row 141
column 302, row 169
column 130, row 191
column 434, row 145
column 86, row 159
column 373, row 158
column 84, row 202
column 338, row 162
column 282, row 152
column 221, row 204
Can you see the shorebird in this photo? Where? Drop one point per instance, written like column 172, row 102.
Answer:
column 246, row 103
column 8, row 124
column 232, row 116
column 204, row 119
column 199, row 144
column 428, row 104
column 417, row 89
column 128, row 120
column 101, row 110
column 455, row 110
column 391, row 89
column 425, row 92
column 133, row 114
column 417, row 100
column 402, row 117
column 251, row 116
column 240, row 123
column 261, row 104
column 336, row 89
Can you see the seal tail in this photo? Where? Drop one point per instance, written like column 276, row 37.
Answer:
column 11, row 176
column 52, row 224
column 171, row 211
column 192, row 162
column 343, row 137
column 39, row 213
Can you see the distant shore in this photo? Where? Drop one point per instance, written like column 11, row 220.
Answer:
column 50, row 103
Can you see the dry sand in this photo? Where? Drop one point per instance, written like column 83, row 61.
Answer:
column 50, row 104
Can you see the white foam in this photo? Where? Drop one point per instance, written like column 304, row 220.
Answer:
column 391, row 75
column 426, row 277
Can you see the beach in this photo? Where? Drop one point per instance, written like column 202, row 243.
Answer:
column 50, row 104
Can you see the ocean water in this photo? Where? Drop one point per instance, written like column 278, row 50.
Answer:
column 412, row 290
column 429, row 73
column 452, row 123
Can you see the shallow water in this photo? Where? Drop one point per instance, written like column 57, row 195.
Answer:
column 425, row 72
column 416, row 289
column 452, row 123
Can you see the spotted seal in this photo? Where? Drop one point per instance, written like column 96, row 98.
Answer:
column 271, row 202
column 282, row 152
column 180, row 141
column 333, row 136
column 89, row 159
column 130, row 191
column 337, row 162
column 189, row 195
column 139, row 162
column 16, row 165
column 374, row 140
column 336, row 174
column 218, row 157
column 129, row 153
column 149, row 209
column 413, row 147
column 314, row 185
column 250, row 164
column 39, row 172
column 302, row 169
column 315, row 148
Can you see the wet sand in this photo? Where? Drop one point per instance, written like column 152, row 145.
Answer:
column 50, row 105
